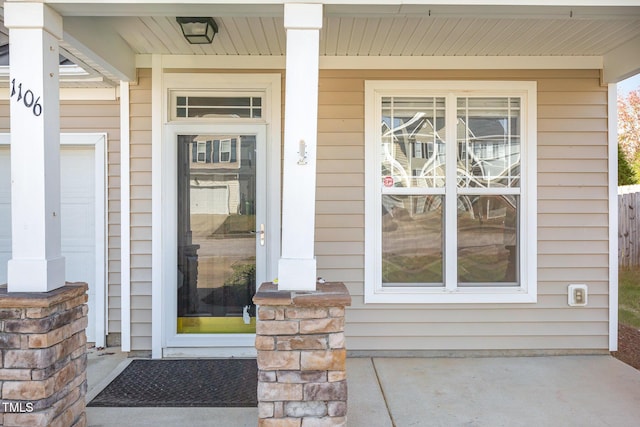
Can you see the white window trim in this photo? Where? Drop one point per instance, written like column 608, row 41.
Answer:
column 527, row 291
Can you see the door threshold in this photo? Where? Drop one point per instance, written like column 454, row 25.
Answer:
column 211, row 352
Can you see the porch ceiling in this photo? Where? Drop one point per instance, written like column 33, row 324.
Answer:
column 361, row 30
column 392, row 36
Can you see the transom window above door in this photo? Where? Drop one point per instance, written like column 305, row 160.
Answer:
column 450, row 192
column 201, row 105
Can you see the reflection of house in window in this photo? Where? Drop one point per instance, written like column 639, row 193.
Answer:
column 225, row 150
column 207, row 150
column 218, row 164
column 201, row 151
column 422, row 150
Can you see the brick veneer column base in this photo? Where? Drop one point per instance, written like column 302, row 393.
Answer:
column 44, row 359
column 302, row 377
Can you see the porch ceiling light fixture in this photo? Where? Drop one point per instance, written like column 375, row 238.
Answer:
column 198, row 30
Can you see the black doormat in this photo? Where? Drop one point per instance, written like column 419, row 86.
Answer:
column 184, row 383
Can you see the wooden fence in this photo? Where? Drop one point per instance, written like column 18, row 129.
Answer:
column 628, row 225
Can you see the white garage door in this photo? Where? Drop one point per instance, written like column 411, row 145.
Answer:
column 210, row 200
column 78, row 219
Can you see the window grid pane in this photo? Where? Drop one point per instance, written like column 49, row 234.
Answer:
column 488, row 142
column 412, row 137
column 488, row 240
column 412, row 241
column 218, row 106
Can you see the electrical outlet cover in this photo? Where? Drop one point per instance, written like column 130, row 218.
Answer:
column 577, row 295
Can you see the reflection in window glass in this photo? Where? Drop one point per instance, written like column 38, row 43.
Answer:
column 216, row 240
column 488, row 142
column 219, row 101
column 202, row 151
column 225, row 150
column 412, row 137
column 412, row 240
column 488, row 240
column 456, row 219
column 413, row 191
column 198, row 106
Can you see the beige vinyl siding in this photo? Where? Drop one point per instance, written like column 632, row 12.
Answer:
column 572, row 222
column 339, row 244
column 140, row 216
column 97, row 116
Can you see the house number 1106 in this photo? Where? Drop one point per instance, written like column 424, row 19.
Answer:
column 28, row 98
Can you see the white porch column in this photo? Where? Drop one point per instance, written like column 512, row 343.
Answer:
column 297, row 267
column 34, row 31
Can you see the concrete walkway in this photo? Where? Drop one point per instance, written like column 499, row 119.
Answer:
column 402, row 392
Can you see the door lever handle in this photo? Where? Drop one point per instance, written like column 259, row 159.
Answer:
column 261, row 232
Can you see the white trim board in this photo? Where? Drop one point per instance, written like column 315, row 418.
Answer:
column 125, row 220
column 613, row 217
column 157, row 275
column 382, row 62
column 370, row 2
column 99, row 141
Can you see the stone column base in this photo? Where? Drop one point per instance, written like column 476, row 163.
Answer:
column 43, row 367
column 302, row 379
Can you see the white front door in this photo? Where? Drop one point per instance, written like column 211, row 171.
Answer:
column 81, row 225
column 216, row 210
column 219, row 233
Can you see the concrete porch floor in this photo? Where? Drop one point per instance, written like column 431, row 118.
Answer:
column 491, row 391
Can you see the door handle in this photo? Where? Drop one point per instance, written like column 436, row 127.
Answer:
column 261, row 232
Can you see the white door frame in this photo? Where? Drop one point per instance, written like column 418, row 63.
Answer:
column 165, row 342
column 99, row 142
column 220, row 345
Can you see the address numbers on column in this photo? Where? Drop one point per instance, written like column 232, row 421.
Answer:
column 28, row 98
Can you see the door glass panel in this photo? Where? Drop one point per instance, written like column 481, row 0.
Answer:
column 216, row 233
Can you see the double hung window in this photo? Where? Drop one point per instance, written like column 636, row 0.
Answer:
column 225, row 150
column 450, row 192
column 201, row 153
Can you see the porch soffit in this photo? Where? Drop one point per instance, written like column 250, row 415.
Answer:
column 372, row 30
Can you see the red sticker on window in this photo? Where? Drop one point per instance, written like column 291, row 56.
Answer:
column 387, row 181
